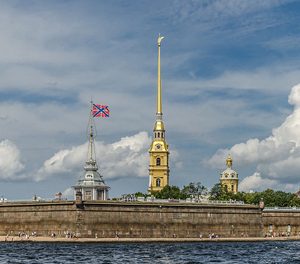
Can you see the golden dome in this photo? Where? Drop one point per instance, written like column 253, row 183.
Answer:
column 229, row 161
column 159, row 126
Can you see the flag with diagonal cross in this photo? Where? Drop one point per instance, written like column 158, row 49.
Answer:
column 100, row 110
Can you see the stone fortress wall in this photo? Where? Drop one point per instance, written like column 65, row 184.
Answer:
column 281, row 221
column 108, row 219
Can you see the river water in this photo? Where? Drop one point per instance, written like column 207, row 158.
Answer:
column 205, row 252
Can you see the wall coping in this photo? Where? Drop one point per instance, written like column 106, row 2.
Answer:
column 126, row 204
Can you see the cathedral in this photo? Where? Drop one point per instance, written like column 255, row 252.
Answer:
column 159, row 149
column 229, row 177
column 91, row 185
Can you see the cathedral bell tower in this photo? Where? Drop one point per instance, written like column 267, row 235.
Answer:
column 159, row 149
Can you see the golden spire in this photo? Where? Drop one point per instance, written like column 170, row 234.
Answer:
column 159, row 103
column 229, row 161
column 159, row 150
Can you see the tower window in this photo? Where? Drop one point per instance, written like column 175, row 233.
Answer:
column 88, row 195
column 158, row 162
column 162, row 134
column 158, row 134
column 232, row 188
column 157, row 182
column 226, row 188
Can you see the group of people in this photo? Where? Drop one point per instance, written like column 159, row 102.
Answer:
column 67, row 234
column 279, row 234
column 212, row 235
column 22, row 236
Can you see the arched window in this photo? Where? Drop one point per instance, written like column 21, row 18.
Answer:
column 158, row 134
column 157, row 182
column 158, row 162
column 226, row 188
column 232, row 188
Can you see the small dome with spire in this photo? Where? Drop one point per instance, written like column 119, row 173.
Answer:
column 91, row 185
column 229, row 173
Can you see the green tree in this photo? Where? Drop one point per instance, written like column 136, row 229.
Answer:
column 194, row 190
column 170, row 192
column 218, row 192
column 295, row 201
column 271, row 198
column 140, row 194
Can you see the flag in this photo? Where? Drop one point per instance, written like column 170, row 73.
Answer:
column 100, row 110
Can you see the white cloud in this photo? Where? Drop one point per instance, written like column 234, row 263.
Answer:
column 257, row 183
column 10, row 161
column 277, row 157
column 127, row 157
column 68, row 193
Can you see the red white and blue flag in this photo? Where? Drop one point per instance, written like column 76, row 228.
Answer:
column 100, row 110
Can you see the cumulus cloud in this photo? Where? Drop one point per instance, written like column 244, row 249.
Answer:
column 276, row 158
column 127, row 157
column 10, row 161
column 68, row 193
column 256, row 182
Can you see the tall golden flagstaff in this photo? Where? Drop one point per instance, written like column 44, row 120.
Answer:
column 159, row 149
column 159, row 103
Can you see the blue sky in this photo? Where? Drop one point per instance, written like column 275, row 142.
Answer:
column 228, row 68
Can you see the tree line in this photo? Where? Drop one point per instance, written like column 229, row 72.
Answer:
column 198, row 191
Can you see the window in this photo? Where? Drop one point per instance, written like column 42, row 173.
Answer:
column 158, row 162
column 88, row 195
column 157, row 182
column 232, row 188
column 162, row 134
column 226, row 188
column 158, row 134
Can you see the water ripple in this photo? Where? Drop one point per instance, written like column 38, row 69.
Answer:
column 164, row 253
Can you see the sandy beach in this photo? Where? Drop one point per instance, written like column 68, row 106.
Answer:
column 141, row 240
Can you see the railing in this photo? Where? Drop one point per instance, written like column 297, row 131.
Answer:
column 32, row 201
column 187, row 201
column 282, row 209
column 142, row 200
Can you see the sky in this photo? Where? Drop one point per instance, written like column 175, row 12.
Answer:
column 230, row 78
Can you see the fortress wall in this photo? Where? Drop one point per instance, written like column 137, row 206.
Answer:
column 281, row 221
column 165, row 220
column 43, row 218
column 108, row 218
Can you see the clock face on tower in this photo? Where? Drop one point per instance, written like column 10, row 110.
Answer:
column 158, row 146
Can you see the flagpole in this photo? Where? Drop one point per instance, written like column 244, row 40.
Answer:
column 91, row 135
